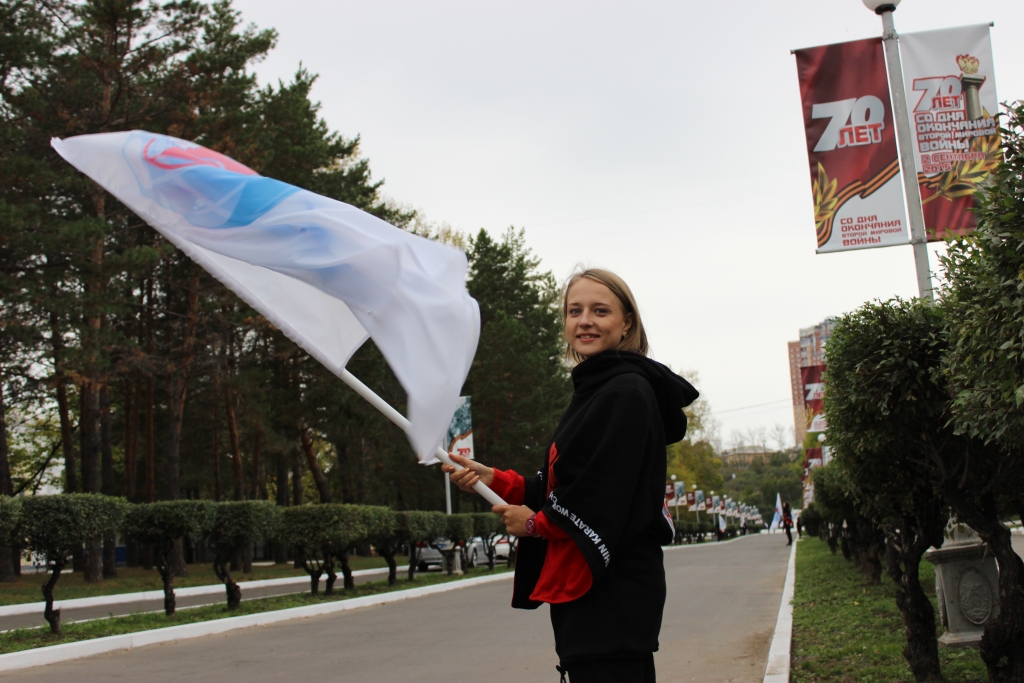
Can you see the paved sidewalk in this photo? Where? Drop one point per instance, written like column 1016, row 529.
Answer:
column 721, row 610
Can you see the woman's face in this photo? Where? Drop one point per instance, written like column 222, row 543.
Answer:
column 594, row 320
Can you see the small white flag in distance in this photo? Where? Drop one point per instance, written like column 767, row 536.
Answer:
column 327, row 274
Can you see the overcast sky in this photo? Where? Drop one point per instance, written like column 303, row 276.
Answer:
column 662, row 140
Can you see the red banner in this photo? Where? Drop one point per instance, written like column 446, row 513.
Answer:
column 851, row 146
column 814, row 394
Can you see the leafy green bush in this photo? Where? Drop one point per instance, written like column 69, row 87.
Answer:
column 419, row 526
column 10, row 515
column 382, row 530
column 54, row 527
column 318, row 534
column 160, row 524
column 239, row 525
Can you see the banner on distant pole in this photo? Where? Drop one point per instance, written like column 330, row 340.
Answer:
column 952, row 103
column 851, row 147
column 459, row 440
column 691, row 501
column 814, row 395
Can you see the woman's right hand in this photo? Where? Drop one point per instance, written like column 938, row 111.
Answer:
column 471, row 473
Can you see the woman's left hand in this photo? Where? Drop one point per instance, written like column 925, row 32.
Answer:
column 514, row 518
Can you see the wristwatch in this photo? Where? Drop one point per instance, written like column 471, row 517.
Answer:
column 531, row 525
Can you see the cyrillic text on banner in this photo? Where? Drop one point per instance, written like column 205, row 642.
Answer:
column 851, row 147
column 951, row 99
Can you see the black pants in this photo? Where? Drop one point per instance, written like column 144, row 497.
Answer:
column 630, row 670
column 789, row 535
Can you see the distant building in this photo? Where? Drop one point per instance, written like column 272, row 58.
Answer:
column 809, row 350
column 744, row 456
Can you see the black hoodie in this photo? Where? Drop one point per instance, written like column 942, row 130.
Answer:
column 606, row 464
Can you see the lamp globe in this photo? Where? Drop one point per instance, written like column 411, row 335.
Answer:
column 879, row 6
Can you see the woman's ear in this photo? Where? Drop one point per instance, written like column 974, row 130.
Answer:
column 627, row 324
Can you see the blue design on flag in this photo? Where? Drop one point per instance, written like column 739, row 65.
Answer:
column 208, row 189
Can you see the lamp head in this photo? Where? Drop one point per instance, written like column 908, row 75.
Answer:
column 821, row 437
column 879, row 6
column 673, row 477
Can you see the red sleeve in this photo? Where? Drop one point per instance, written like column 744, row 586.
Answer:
column 565, row 575
column 509, row 485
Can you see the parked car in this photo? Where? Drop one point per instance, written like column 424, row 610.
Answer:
column 429, row 554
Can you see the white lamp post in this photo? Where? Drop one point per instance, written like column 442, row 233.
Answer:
column 915, row 211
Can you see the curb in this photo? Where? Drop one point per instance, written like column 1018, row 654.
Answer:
column 706, row 544
column 210, row 589
column 777, row 670
column 86, row 648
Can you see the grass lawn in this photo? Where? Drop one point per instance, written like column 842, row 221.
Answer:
column 26, row 639
column 28, row 587
column 848, row 631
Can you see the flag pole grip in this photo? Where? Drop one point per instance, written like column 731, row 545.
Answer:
column 400, row 420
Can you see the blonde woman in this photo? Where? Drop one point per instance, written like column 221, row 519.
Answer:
column 593, row 519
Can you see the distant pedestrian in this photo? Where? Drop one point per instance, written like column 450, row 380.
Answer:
column 787, row 522
column 592, row 522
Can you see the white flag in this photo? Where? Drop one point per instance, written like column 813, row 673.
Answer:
column 327, row 274
column 777, row 519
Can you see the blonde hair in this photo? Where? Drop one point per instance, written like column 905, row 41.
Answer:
column 635, row 339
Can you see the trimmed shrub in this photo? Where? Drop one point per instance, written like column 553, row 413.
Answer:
column 160, row 524
column 321, row 535
column 458, row 530
column 382, row 531
column 53, row 527
column 489, row 528
column 10, row 515
column 237, row 526
column 419, row 526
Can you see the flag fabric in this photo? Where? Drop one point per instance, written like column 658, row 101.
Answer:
column 777, row 519
column 721, row 523
column 327, row 274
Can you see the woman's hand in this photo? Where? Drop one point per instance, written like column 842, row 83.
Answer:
column 471, row 473
column 514, row 518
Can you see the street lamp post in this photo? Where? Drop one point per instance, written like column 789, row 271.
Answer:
column 915, row 210
column 675, row 497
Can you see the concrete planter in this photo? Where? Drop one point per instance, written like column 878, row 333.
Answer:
column 966, row 584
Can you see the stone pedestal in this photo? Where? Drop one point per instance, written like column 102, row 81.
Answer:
column 966, row 584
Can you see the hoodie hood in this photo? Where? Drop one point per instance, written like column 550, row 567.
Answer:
column 673, row 393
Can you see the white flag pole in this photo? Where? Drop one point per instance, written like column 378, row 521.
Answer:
column 400, row 420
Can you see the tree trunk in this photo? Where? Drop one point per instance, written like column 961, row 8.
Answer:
column 131, row 434
column 234, row 593
column 216, row 443
column 51, row 615
column 296, row 478
column 151, row 472
column 332, row 576
column 63, row 411
column 107, row 478
column 257, row 465
column 88, row 428
column 346, row 571
column 314, row 466
column 162, row 557
column 903, row 554
column 236, row 453
column 281, row 496
column 7, row 555
column 389, row 556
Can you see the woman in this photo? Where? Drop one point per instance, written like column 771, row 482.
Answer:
column 593, row 519
column 787, row 522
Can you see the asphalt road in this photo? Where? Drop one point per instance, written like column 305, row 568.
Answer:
column 157, row 605
column 722, row 604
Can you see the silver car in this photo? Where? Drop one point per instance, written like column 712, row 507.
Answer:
column 428, row 555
